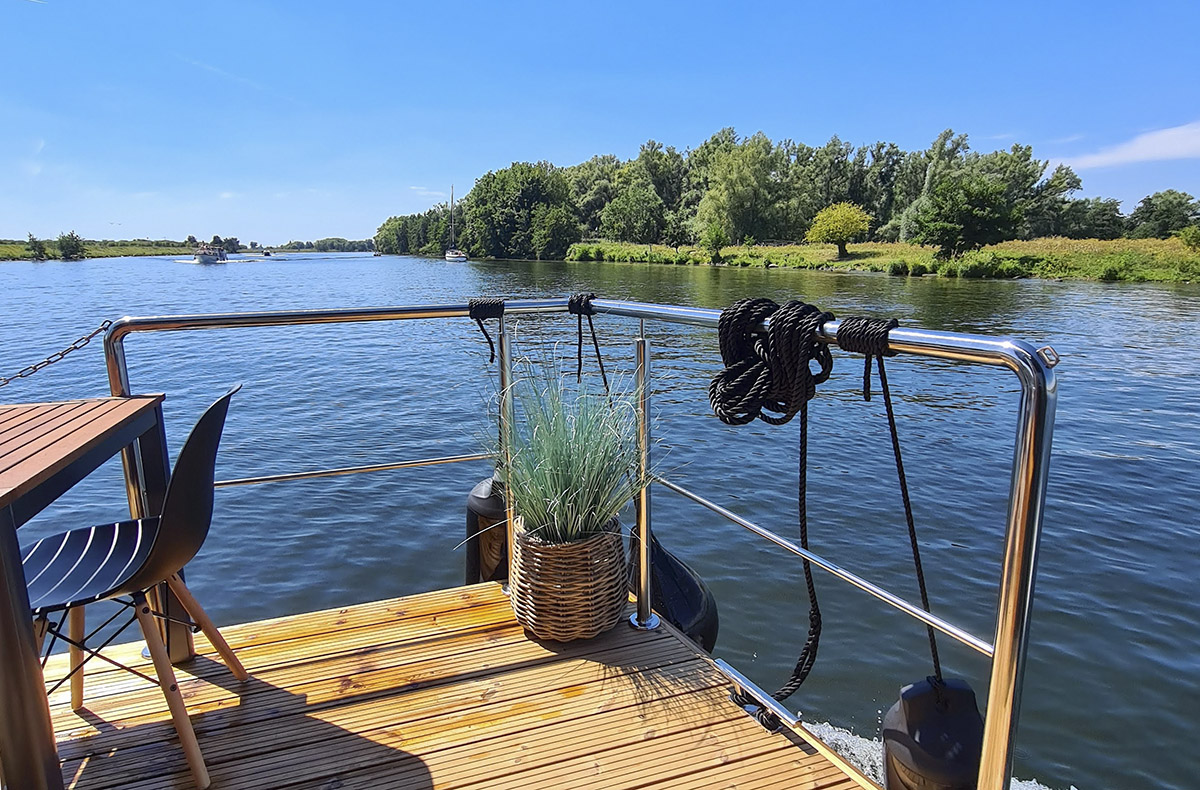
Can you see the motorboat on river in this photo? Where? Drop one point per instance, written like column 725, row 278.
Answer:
column 209, row 254
column 445, row 688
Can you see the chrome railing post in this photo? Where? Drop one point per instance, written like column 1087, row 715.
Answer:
column 506, row 428
column 177, row 637
column 644, row 618
column 118, row 385
column 1027, row 496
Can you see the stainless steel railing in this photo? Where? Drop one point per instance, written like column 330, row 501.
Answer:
column 1033, row 368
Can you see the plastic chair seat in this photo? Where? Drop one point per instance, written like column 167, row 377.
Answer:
column 87, row 565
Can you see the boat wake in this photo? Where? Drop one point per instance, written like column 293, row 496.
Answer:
column 866, row 754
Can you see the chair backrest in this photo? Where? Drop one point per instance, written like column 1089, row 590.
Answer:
column 188, row 507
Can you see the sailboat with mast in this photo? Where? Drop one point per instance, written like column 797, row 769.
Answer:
column 453, row 254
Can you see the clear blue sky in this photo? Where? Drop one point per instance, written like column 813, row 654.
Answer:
column 297, row 120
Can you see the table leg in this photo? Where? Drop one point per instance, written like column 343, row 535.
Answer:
column 153, row 465
column 27, row 750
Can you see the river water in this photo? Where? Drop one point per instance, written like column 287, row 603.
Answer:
column 1111, row 695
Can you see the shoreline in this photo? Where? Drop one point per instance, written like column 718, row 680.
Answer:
column 1119, row 260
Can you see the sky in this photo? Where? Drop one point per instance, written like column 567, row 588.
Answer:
column 273, row 121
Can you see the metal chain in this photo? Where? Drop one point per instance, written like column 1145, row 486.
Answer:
column 56, row 356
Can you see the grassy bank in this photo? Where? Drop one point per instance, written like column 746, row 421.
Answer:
column 1135, row 260
column 17, row 251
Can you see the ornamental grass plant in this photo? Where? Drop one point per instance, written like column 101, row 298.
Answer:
column 574, row 460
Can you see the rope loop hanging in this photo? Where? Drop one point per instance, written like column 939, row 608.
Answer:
column 482, row 309
column 769, row 376
column 869, row 336
column 580, row 305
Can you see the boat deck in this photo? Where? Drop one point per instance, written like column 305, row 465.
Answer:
column 443, row 690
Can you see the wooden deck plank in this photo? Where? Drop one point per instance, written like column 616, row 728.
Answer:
column 380, row 670
column 438, row 690
column 308, row 624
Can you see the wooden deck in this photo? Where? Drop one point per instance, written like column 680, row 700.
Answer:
column 435, row 690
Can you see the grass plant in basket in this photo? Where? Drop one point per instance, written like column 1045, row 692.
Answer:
column 573, row 466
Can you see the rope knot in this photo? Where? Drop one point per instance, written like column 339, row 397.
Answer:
column 867, row 336
column 479, row 309
column 581, row 304
column 483, row 308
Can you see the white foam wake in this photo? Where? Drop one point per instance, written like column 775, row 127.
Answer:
column 867, row 754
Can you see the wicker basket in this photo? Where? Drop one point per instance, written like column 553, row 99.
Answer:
column 566, row 591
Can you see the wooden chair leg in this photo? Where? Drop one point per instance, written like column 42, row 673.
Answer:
column 201, row 618
column 170, row 688
column 75, row 629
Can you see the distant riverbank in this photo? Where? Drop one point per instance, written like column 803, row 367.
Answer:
column 19, row 251
column 1133, row 260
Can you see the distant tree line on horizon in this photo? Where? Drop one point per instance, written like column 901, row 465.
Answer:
column 731, row 189
column 334, row 244
column 71, row 246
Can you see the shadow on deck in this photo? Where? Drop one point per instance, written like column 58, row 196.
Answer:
column 441, row 690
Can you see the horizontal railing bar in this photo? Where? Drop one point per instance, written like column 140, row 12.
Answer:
column 130, row 324
column 748, row 686
column 968, row 639
column 1004, row 352
column 353, row 470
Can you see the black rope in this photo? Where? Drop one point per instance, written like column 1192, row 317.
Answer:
column 869, row 336
column 768, row 371
column 768, row 375
column 480, row 309
column 580, row 304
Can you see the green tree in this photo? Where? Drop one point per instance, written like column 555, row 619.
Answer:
column 743, row 188
column 593, row 185
column 254, row 245
column 634, row 215
column 667, row 169
column 1190, row 236
column 555, row 229
column 839, row 224
column 192, row 240
column 677, row 230
column 70, row 247
column 499, row 217
column 1161, row 214
column 1091, row 218
column 713, row 239
column 36, row 247
column 217, row 241
column 965, row 212
column 231, row 244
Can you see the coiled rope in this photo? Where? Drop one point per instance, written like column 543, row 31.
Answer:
column 481, row 309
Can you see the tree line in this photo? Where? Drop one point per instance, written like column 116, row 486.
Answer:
column 71, row 246
column 732, row 189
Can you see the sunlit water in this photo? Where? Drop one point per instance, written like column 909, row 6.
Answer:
column 1111, row 695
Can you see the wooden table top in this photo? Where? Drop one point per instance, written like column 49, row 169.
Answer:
column 38, row 440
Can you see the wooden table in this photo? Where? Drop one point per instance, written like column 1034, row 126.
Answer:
column 45, row 449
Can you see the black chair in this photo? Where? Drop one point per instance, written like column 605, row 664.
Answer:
column 66, row 571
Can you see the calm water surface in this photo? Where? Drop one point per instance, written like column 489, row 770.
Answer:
column 1111, row 695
